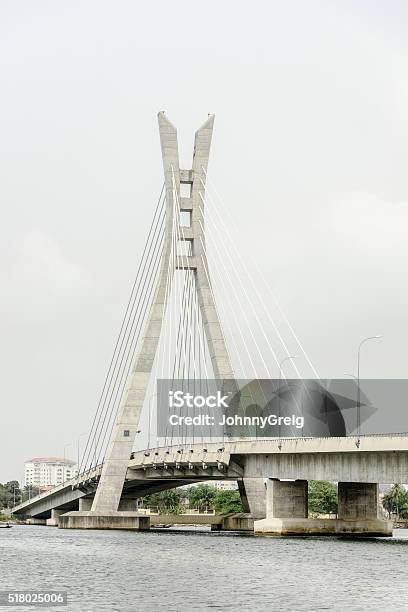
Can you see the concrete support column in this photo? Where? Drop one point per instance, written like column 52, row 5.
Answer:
column 108, row 494
column 55, row 514
column 253, row 496
column 286, row 499
column 125, row 504
column 357, row 500
column 85, row 503
column 286, row 503
column 128, row 504
column 36, row 521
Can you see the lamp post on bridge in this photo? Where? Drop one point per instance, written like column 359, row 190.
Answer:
column 85, row 433
column 355, row 378
column 279, row 401
column 150, row 419
column 63, row 467
column 149, row 426
column 358, row 382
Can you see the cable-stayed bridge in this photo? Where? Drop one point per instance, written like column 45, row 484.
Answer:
column 177, row 328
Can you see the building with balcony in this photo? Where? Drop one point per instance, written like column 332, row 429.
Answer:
column 48, row 472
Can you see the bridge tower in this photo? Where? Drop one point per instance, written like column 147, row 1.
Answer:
column 109, row 491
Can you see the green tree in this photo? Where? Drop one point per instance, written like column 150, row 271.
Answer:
column 13, row 487
column 322, row 497
column 167, row 502
column 29, row 491
column 396, row 501
column 227, row 501
column 4, row 497
column 202, row 496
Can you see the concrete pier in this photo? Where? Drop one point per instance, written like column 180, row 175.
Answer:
column 288, row 499
column 108, row 520
column 235, row 522
column 358, row 500
column 133, row 520
column 286, row 511
column 253, row 496
column 55, row 514
column 85, row 503
column 322, row 527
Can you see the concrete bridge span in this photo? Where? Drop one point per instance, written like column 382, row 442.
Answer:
column 382, row 458
column 257, row 466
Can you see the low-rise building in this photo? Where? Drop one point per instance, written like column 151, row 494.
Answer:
column 47, row 472
column 225, row 485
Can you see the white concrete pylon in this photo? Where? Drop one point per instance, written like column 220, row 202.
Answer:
column 120, row 446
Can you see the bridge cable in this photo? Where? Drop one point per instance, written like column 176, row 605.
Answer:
column 181, row 273
column 169, row 309
column 147, row 291
column 261, row 275
column 242, row 310
column 122, row 365
column 189, row 276
column 226, row 318
column 157, row 209
column 223, row 259
column 92, row 438
column 243, row 265
column 140, row 279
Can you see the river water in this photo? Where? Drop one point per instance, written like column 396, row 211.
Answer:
column 179, row 569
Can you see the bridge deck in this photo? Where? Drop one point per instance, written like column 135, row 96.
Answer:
column 384, row 458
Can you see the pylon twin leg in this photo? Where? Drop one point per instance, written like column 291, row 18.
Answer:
column 120, row 446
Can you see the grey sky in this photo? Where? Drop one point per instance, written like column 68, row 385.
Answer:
column 309, row 152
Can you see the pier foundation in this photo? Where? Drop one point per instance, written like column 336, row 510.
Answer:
column 85, row 504
column 286, row 511
column 108, row 520
column 55, row 514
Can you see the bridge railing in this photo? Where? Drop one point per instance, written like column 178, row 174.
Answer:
column 73, row 482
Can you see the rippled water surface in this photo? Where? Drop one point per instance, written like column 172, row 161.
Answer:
column 176, row 570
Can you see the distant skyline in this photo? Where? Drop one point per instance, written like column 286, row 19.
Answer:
column 309, row 155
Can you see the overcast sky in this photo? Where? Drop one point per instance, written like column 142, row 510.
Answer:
column 309, row 154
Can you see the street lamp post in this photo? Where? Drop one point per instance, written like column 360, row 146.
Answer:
column 63, row 467
column 358, row 382
column 279, row 402
column 149, row 424
column 78, row 441
column 150, row 419
column 354, row 378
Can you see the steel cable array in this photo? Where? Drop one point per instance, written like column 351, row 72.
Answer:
column 126, row 343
